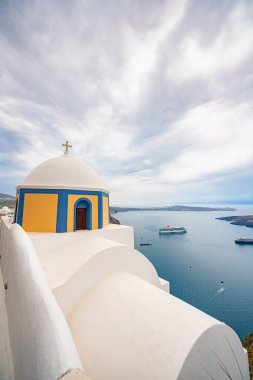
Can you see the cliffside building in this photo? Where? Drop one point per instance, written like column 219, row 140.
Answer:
column 79, row 302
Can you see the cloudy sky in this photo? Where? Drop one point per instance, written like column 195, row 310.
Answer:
column 156, row 96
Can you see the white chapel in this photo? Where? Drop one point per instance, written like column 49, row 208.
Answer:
column 80, row 302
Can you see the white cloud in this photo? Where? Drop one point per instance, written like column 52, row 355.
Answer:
column 157, row 98
column 230, row 49
column 220, row 138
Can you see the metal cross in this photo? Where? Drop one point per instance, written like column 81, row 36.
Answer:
column 67, row 146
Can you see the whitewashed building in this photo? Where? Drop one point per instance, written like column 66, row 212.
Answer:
column 79, row 302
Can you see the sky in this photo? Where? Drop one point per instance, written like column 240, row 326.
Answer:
column 156, row 96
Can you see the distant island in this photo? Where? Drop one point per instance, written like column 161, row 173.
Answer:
column 114, row 210
column 246, row 220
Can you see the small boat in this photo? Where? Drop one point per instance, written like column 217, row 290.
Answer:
column 243, row 241
column 172, row 230
column 145, row 244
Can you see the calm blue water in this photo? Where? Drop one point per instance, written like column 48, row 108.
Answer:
column 209, row 248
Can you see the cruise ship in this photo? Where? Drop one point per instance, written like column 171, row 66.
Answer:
column 243, row 241
column 172, row 230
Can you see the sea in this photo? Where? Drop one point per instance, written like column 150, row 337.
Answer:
column 204, row 266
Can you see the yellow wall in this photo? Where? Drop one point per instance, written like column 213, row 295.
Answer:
column 40, row 212
column 71, row 203
column 105, row 211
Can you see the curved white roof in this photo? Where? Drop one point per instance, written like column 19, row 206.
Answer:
column 71, row 261
column 65, row 171
column 134, row 330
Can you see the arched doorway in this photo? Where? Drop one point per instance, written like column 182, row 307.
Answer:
column 81, row 218
column 82, row 214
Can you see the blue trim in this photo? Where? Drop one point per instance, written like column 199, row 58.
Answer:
column 20, row 208
column 68, row 191
column 82, row 204
column 62, row 207
column 62, row 212
column 100, row 210
column 88, row 215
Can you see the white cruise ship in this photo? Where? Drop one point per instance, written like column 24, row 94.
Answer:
column 172, row 230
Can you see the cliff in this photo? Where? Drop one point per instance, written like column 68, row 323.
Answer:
column 248, row 345
column 246, row 220
column 114, row 220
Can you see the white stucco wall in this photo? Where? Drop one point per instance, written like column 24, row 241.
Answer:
column 73, row 262
column 229, row 361
column 119, row 233
column 121, row 325
column 135, row 331
column 6, row 362
column 41, row 343
column 104, row 263
column 165, row 285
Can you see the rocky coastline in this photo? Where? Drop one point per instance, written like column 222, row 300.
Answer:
column 114, row 220
column 245, row 220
